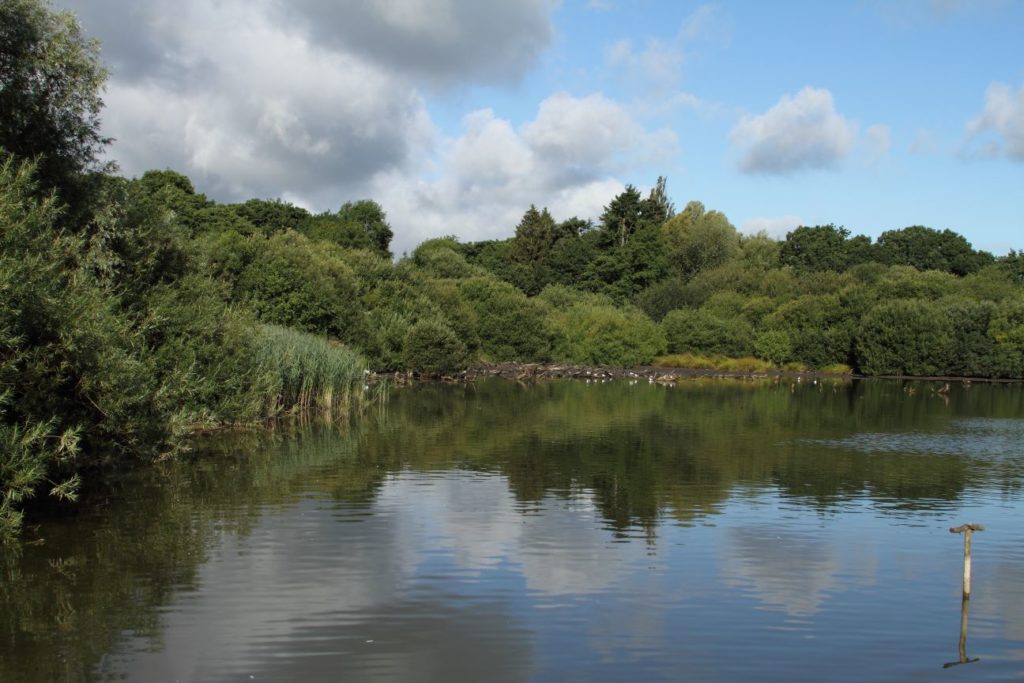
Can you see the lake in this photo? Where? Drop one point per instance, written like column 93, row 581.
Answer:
column 563, row 531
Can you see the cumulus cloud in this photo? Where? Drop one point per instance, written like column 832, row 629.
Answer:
column 319, row 102
column 567, row 158
column 999, row 128
column 444, row 41
column 798, row 133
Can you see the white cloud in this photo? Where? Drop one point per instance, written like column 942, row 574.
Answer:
column 999, row 128
column 774, row 227
column 659, row 63
column 568, row 159
column 321, row 102
column 798, row 133
column 879, row 142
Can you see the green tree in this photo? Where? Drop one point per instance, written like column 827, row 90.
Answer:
column 272, row 215
column 701, row 331
column 698, row 240
column 50, row 84
column 509, row 325
column 930, row 249
column 175, row 192
column 904, row 337
column 622, row 217
column 534, row 236
column 592, row 333
column 372, row 220
column 430, row 346
column 819, row 247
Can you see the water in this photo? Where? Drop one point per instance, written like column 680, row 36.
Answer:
column 559, row 532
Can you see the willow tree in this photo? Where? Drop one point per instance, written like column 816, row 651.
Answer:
column 50, row 84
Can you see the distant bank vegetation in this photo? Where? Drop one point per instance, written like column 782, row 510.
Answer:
column 135, row 310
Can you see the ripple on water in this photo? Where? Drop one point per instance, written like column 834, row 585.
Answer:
column 990, row 439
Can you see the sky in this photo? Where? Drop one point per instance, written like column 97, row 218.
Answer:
column 457, row 115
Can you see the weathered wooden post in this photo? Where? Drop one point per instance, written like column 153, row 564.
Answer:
column 966, row 530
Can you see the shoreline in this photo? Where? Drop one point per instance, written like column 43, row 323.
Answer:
column 524, row 372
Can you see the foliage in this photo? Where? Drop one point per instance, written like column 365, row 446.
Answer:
column 510, row 326
column 430, row 346
column 698, row 240
column 306, row 371
column 823, row 247
column 50, row 83
column 929, row 249
column 696, row 361
column 272, row 216
column 774, row 346
column 295, row 282
column 702, row 331
column 904, row 337
column 600, row 334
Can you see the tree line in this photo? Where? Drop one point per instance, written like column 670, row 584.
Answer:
column 136, row 310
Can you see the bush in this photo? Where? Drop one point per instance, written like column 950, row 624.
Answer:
column 431, row 347
column 510, row 326
column 591, row 334
column 701, row 331
column 774, row 346
column 904, row 337
column 294, row 282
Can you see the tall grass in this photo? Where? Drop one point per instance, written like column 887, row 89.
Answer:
column 309, row 372
column 694, row 361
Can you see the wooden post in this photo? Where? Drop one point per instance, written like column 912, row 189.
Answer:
column 966, row 530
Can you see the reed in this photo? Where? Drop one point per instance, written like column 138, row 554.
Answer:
column 694, row 361
column 309, row 372
column 837, row 369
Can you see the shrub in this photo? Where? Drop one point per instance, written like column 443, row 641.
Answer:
column 510, row 326
column 774, row 346
column 904, row 337
column 431, row 347
column 701, row 331
column 592, row 334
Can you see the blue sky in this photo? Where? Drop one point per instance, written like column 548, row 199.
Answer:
column 457, row 115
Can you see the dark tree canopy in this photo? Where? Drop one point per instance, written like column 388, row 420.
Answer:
column 930, row 249
column 50, row 83
column 534, row 235
column 372, row 220
column 272, row 215
column 819, row 247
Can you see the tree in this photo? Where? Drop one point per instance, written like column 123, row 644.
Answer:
column 50, row 83
column 534, row 236
column 698, row 240
column 657, row 208
column 819, row 247
column 621, row 217
column 372, row 220
column 929, row 249
column 272, row 215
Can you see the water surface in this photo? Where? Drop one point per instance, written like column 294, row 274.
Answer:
column 564, row 531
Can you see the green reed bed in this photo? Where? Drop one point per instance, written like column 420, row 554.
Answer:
column 311, row 372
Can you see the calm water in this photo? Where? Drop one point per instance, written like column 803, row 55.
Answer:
column 560, row 532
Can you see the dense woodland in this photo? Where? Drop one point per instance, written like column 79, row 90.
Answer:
column 136, row 310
